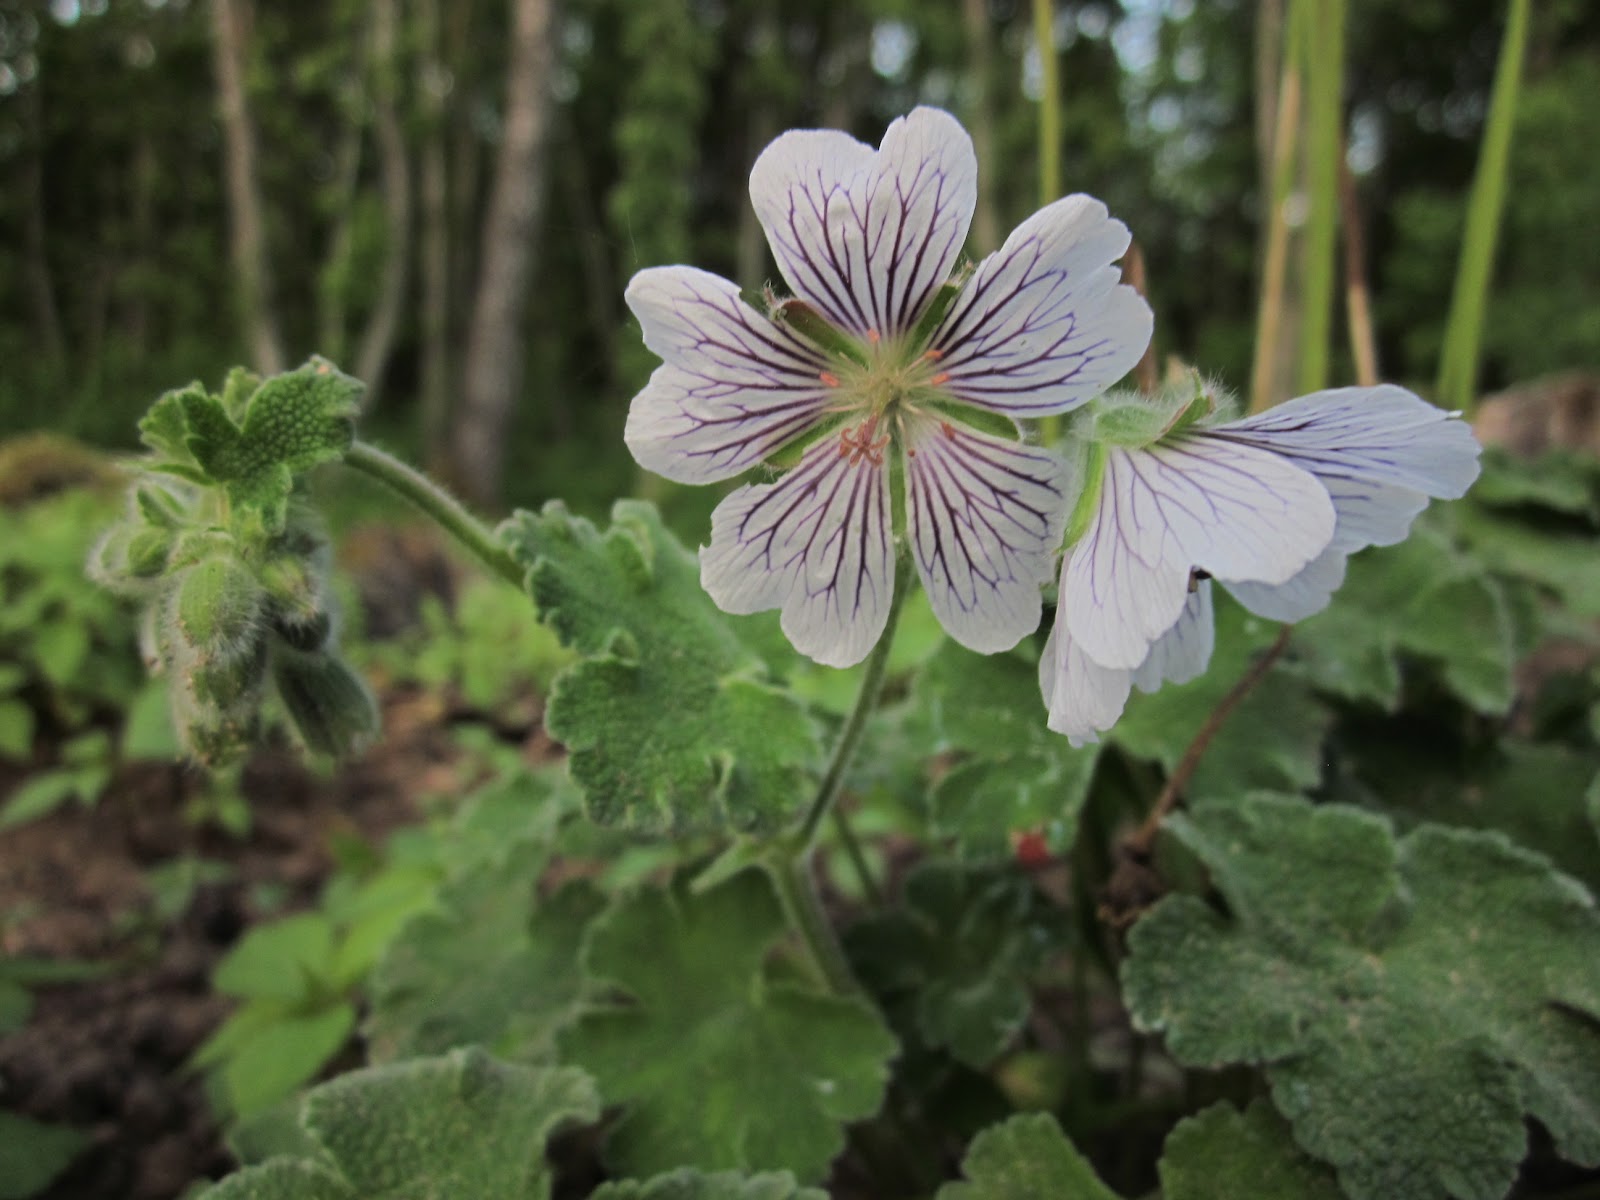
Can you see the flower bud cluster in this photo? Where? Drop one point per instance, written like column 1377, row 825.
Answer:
column 233, row 613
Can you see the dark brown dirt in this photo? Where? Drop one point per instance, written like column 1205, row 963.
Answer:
column 107, row 1055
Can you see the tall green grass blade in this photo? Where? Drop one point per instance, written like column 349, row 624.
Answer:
column 1044, row 37
column 1458, row 366
column 1324, row 50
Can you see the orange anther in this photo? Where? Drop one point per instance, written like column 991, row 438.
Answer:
column 941, row 377
column 949, row 430
column 829, row 378
column 874, row 336
column 933, row 355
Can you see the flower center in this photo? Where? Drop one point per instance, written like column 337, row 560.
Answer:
column 893, row 380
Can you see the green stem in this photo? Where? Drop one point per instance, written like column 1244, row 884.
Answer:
column 856, row 725
column 797, row 891
column 439, row 504
column 790, row 865
column 858, row 859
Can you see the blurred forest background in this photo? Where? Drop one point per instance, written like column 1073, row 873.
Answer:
column 448, row 196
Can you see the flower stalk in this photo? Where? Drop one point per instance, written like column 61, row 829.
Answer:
column 448, row 512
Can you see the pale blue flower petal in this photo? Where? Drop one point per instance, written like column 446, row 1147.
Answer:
column 868, row 237
column 1234, row 511
column 986, row 516
column 1044, row 324
column 733, row 387
column 1381, row 452
column 1182, row 652
column 817, row 544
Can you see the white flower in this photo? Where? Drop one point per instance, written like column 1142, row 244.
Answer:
column 888, row 376
column 1270, row 506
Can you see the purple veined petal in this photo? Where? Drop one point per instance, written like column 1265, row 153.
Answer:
column 867, row 237
column 1379, row 436
column 1237, row 512
column 817, row 544
column 1183, row 652
column 1305, row 595
column 986, row 517
column 734, row 387
column 1044, row 324
column 1083, row 698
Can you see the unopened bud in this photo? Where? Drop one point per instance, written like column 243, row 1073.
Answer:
column 217, row 611
column 327, row 701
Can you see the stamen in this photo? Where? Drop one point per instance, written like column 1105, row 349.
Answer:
column 941, row 377
column 874, row 336
column 949, row 430
column 933, row 355
column 829, row 378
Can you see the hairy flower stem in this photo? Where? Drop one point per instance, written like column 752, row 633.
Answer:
column 790, row 867
column 448, row 512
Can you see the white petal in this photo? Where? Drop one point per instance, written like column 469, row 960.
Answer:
column 1304, row 595
column 1239, row 513
column 1084, row 699
column 734, row 387
column 1044, row 325
column 1380, row 452
column 867, row 237
column 1182, row 652
column 816, row 543
column 986, row 518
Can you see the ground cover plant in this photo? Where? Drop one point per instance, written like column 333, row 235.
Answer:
column 1400, row 988
column 972, row 761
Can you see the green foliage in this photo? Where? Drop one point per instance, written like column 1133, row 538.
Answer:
column 1221, row 1153
column 461, row 1125
column 1410, row 1001
column 672, row 724
column 957, row 956
column 1013, row 774
column 1274, row 738
column 1027, row 1158
column 483, row 648
column 688, row 1184
column 297, row 978
column 1424, row 599
column 33, row 1153
column 773, row 1068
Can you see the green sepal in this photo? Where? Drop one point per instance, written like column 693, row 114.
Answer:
column 934, row 313
column 982, row 419
column 1132, row 419
column 818, row 330
column 1088, row 465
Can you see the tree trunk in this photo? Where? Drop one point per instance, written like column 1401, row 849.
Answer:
column 492, row 375
column 980, row 41
column 41, row 284
column 377, row 340
column 434, row 189
column 251, row 265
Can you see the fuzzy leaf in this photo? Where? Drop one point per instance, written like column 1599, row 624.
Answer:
column 958, row 954
column 1027, row 1158
column 462, row 1125
column 689, row 1184
column 1410, row 1000
column 717, row 1064
column 1015, row 775
column 671, row 722
column 165, row 428
column 292, row 422
column 1223, row 1154
column 487, row 968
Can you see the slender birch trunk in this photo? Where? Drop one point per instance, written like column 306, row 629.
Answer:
column 251, row 264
